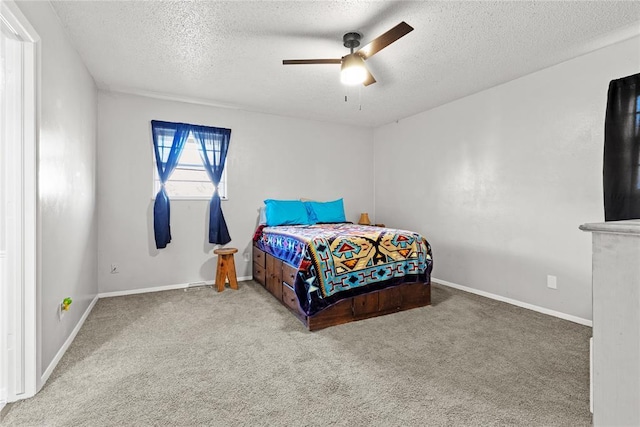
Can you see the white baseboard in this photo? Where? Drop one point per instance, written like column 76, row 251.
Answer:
column 67, row 343
column 528, row 306
column 159, row 288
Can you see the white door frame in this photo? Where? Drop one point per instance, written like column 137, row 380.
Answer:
column 19, row 348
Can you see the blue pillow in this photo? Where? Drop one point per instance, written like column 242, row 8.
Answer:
column 327, row 211
column 286, row 212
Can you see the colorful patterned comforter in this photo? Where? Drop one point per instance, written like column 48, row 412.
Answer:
column 337, row 261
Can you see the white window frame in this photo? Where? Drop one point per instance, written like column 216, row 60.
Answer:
column 223, row 191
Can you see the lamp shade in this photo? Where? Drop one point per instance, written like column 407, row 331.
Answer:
column 353, row 70
column 364, row 219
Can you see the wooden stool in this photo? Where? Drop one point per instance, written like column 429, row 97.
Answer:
column 226, row 268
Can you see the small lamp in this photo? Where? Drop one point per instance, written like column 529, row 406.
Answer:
column 364, row 219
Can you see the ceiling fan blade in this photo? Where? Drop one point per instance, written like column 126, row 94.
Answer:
column 369, row 80
column 311, row 61
column 377, row 44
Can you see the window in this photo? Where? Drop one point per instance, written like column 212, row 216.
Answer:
column 189, row 180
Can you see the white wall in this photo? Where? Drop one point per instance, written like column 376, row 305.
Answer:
column 269, row 157
column 66, row 180
column 500, row 181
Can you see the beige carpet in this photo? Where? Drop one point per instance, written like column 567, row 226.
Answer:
column 240, row 358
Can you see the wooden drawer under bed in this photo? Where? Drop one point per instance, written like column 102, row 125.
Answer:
column 289, row 298
column 259, row 266
column 278, row 278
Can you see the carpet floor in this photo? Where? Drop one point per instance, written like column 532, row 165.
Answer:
column 240, row 358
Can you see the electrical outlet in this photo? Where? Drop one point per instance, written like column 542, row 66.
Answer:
column 246, row 257
column 552, row 282
column 61, row 312
column 115, row 269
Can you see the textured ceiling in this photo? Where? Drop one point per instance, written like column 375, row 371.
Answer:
column 230, row 53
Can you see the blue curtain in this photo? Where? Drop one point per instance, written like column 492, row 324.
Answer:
column 214, row 143
column 168, row 141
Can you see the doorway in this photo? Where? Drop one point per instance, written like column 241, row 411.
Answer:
column 18, row 136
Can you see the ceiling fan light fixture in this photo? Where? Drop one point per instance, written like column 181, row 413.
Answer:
column 353, row 70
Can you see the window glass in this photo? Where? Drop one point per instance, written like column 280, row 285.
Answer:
column 190, row 179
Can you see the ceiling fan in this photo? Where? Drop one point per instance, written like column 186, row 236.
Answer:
column 353, row 69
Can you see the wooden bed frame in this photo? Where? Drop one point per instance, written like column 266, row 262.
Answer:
column 278, row 278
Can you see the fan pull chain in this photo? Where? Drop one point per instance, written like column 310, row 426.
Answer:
column 346, row 97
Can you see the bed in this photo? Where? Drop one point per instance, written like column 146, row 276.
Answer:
column 333, row 273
